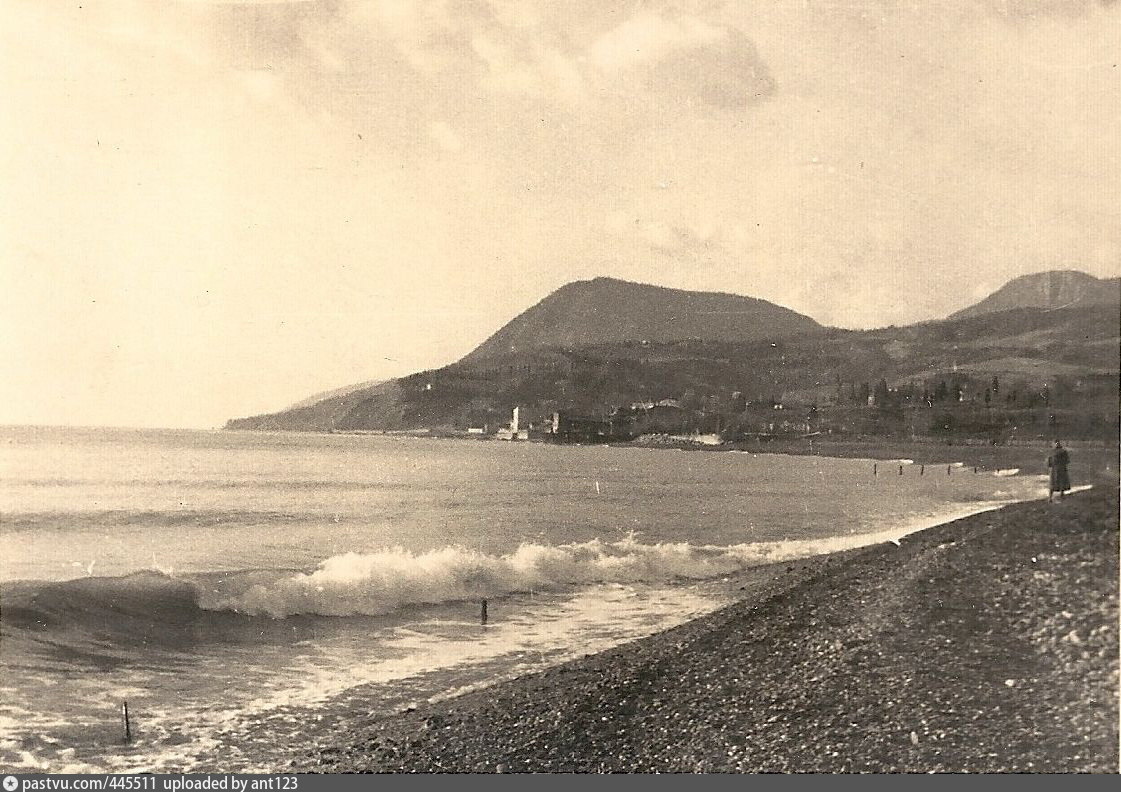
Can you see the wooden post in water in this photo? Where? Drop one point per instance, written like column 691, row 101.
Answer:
column 874, row 466
column 128, row 726
column 922, row 469
column 900, row 470
column 947, row 470
column 483, row 613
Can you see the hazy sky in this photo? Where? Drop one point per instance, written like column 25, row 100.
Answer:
column 214, row 209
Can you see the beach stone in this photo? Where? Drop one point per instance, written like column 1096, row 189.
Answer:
column 827, row 671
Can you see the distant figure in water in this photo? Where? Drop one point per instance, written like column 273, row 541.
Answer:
column 1060, row 478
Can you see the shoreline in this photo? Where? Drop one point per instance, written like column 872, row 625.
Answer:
column 1095, row 459
column 987, row 643
column 244, row 740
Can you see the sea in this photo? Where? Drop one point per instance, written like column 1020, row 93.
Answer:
column 230, row 585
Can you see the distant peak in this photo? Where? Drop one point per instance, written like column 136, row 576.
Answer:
column 1047, row 290
column 1071, row 274
column 606, row 280
column 605, row 310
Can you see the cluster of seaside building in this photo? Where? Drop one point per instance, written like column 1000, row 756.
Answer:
column 951, row 411
column 666, row 416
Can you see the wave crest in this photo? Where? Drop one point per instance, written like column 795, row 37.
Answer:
column 374, row 583
column 371, row 584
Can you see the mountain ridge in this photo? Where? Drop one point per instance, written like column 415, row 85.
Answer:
column 1048, row 290
column 610, row 310
column 772, row 353
column 334, row 393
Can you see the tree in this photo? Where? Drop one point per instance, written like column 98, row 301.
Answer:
column 881, row 392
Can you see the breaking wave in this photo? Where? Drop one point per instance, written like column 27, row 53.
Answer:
column 369, row 584
column 376, row 583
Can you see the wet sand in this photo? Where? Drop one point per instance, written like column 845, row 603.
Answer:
column 986, row 644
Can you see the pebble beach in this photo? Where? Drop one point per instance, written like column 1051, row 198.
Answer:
column 987, row 644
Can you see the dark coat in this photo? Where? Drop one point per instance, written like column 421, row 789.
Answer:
column 1060, row 478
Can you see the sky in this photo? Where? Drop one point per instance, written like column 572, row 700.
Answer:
column 215, row 209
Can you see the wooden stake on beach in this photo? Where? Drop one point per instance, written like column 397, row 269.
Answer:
column 128, row 726
column 947, row 470
column 922, row 469
column 874, row 466
column 483, row 614
column 900, row 470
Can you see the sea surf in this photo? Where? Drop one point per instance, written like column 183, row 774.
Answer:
column 215, row 580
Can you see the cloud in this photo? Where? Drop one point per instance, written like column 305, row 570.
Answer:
column 282, row 181
column 569, row 55
column 691, row 244
column 683, row 59
column 640, row 233
column 647, row 38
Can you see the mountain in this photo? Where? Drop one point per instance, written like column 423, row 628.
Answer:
column 314, row 399
column 1049, row 291
column 606, row 311
column 566, row 354
column 579, row 315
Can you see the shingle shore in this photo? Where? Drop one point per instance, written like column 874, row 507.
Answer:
column 985, row 644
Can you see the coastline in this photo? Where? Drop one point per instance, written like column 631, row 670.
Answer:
column 1095, row 460
column 988, row 643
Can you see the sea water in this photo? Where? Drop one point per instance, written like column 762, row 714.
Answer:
column 225, row 584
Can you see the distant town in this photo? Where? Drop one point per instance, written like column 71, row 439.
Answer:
column 612, row 361
column 959, row 408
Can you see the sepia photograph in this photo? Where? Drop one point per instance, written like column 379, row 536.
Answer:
column 558, row 386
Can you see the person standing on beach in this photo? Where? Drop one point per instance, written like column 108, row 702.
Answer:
column 1060, row 478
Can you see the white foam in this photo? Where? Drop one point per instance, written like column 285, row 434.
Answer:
column 375, row 583
column 380, row 582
